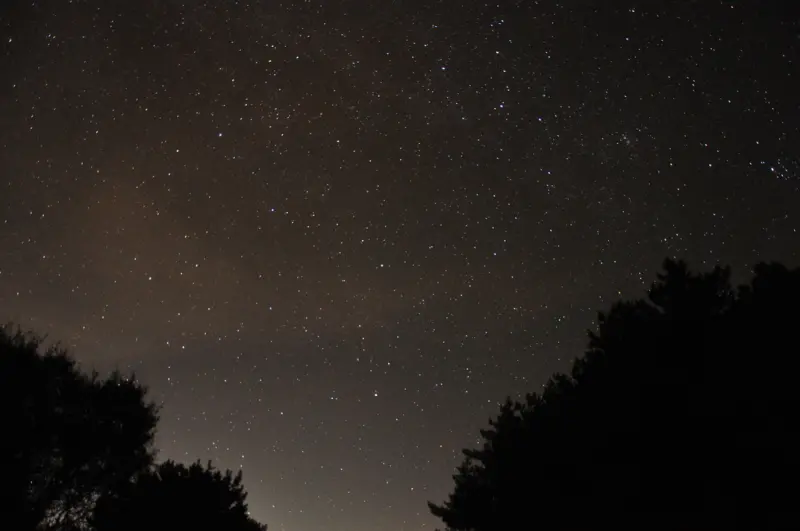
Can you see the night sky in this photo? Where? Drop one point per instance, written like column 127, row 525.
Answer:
column 332, row 235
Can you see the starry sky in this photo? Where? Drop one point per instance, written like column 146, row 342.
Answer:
column 331, row 235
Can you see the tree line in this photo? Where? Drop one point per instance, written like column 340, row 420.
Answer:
column 682, row 414
column 77, row 453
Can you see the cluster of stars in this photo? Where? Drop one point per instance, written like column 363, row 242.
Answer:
column 331, row 237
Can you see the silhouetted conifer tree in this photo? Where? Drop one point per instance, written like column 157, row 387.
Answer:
column 682, row 414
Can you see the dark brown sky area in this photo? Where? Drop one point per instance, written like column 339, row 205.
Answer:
column 332, row 235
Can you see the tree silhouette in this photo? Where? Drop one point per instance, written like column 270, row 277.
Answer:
column 172, row 496
column 682, row 414
column 70, row 437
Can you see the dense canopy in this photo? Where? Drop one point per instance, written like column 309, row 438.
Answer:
column 682, row 414
column 78, row 454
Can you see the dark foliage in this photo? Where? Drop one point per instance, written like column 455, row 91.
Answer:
column 69, row 437
column 77, row 454
column 173, row 496
column 683, row 414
